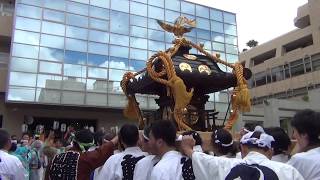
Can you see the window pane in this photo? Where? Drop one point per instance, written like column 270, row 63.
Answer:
column 96, row 99
column 203, row 34
column 22, row 79
column 52, row 41
column 277, row 74
column 216, row 15
column 231, row 49
column 97, row 60
column 74, row 70
column 138, row 31
column 138, row 20
column 232, row 58
column 156, row 46
column 97, row 73
column 99, row 24
column 53, row 15
column 98, row 48
column 202, row 11
column 97, row 85
column 119, row 51
column 156, row 35
column 26, row 37
column 48, row 96
column 72, row 98
column 21, row 94
column 99, row 36
column 152, row 23
column 229, row 18
column 217, row 46
column 206, row 43
column 99, row 3
column 138, row 8
column 118, row 63
column 82, row 1
column 48, row 67
column 51, row 54
column 72, row 83
column 260, row 78
column 119, row 22
column 27, row 24
column 115, row 74
column 25, row 51
column 217, row 26
column 138, row 54
column 77, row 8
column 74, row 57
column 117, row 100
column 52, row 28
column 169, row 37
column 136, row 65
column 119, row 39
column 76, row 45
column 20, row 64
column 156, row 13
column 173, row 5
column 75, row 32
column 28, row 11
column 114, row 87
column 120, row 5
column 188, row 8
column 230, row 29
column 99, row 12
column 77, row 20
column 49, row 81
column 203, row 23
column 56, row 4
column 31, row 2
column 231, row 40
column 171, row 16
column 217, row 37
column 159, row 3
column 138, row 43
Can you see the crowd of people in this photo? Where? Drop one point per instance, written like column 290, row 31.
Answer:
column 162, row 153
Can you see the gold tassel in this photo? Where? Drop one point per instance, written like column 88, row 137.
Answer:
column 130, row 110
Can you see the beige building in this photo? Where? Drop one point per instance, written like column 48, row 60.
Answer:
column 287, row 67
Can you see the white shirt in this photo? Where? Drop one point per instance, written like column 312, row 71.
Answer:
column 144, row 167
column 11, row 167
column 112, row 169
column 307, row 163
column 206, row 166
column 168, row 168
column 280, row 158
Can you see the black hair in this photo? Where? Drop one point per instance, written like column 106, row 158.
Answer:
column 98, row 138
column 14, row 137
column 195, row 135
column 25, row 134
column 165, row 130
column 281, row 141
column 129, row 135
column 13, row 147
column 4, row 138
column 109, row 136
column 222, row 136
column 146, row 131
column 84, row 136
column 250, row 126
column 308, row 122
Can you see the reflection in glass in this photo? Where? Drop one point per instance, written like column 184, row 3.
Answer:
column 203, row 23
column 114, row 87
column 119, row 22
column 136, row 65
column 22, row 79
column 138, row 43
column 229, row 18
column 152, row 23
column 52, row 41
column 97, row 73
column 21, row 64
column 77, row 8
column 138, row 31
column 31, row 2
column 138, row 8
column 49, row 67
column 206, row 43
column 118, row 63
column 156, row 46
column 49, row 81
column 72, row 98
column 72, row 83
column 173, row 5
column 48, row 96
column 75, row 32
column 217, row 46
column 100, row 13
column 159, row 3
column 230, row 29
column 27, row 51
column 28, row 24
column 117, row 100
column 188, row 8
column 231, row 40
column 216, row 15
column 203, row 34
column 74, row 70
column 76, row 45
column 120, row 5
column 98, row 48
column 169, row 37
column 21, row 94
column 231, row 49
column 119, row 39
column 232, row 58
column 51, row 54
column 74, row 57
column 77, row 20
column 99, row 24
column 53, row 28
column 97, row 85
column 217, row 37
column 99, row 3
column 115, row 74
column 156, row 35
column 28, row 11
column 138, row 20
column 97, row 60
column 119, row 51
column 138, row 54
column 202, row 11
column 56, row 4
column 217, row 26
column 156, row 13
column 53, row 15
column 99, row 36
column 171, row 16
column 26, row 37
column 96, row 99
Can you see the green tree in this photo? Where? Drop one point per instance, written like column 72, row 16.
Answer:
column 252, row 43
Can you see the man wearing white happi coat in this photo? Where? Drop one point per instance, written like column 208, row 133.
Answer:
column 255, row 165
column 121, row 166
column 11, row 167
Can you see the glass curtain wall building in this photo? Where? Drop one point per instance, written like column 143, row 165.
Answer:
column 75, row 52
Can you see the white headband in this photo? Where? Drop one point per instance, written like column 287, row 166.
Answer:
column 217, row 141
column 263, row 142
